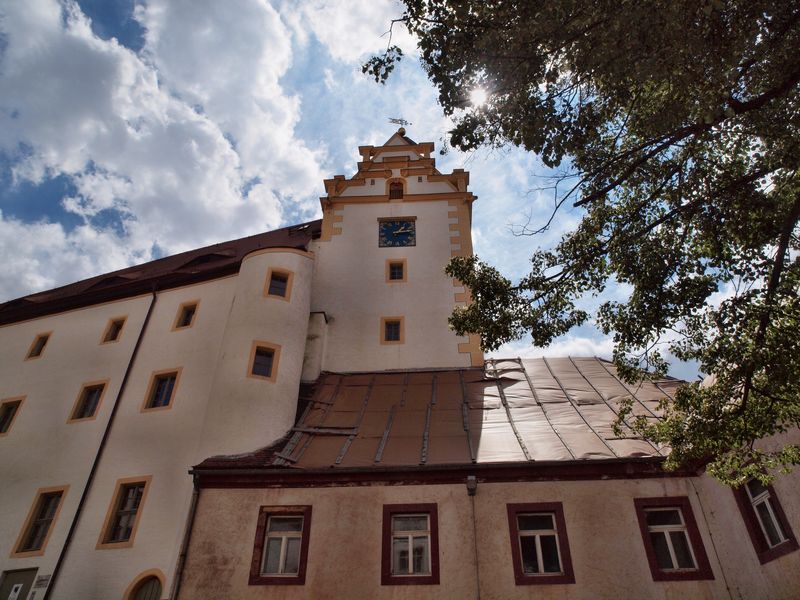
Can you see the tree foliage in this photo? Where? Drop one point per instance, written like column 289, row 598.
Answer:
column 676, row 126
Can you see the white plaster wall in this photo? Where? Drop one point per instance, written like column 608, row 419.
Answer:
column 350, row 286
column 245, row 413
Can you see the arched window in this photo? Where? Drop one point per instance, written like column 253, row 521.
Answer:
column 395, row 190
column 148, row 588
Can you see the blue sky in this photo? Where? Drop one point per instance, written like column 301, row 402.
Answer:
column 134, row 129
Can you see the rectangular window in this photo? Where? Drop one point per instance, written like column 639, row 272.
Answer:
column 8, row 413
column 395, row 270
column 280, row 552
column 39, row 524
column 37, row 347
column 124, row 512
column 185, row 316
column 672, row 541
column 263, row 361
column 392, row 330
column 539, row 544
column 88, row 401
column 162, row 389
column 279, row 284
column 766, row 523
column 410, row 544
column 113, row 330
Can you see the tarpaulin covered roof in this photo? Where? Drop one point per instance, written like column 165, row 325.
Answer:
column 544, row 409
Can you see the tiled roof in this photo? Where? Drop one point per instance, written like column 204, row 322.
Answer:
column 173, row 271
column 545, row 409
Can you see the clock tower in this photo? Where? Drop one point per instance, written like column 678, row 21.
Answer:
column 387, row 233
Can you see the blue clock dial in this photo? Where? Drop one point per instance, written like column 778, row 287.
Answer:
column 397, row 232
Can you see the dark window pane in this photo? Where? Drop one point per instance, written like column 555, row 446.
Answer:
column 755, row 487
column 421, row 562
column 278, row 284
column 285, row 524
column 400, row 556
column 680, row 545
column 43, row 518
column 162, row 390
column 395, row 190
column 262, row 362
column 113, row 333
column 90, row 398
column 535, row 522
column 292, row 555
column 392, row 331
column 663, row 559
column 187, row 314
column 550, row 559
column 410, row 523
column 663, row 517
column 38, row 346
column 774, row 535
column 529, row 560
column 396, row 271
column 273, row 557
column 7, row 412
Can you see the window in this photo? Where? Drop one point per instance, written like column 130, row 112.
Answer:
column 419, row 178
column 88, row 401
column 280, row 551
column 766, row 523
column 395, row 270
column 392, row 330
column 113, row 330
column 279, row 284
column 39, row 524
column 672, row 541
column 395, row 190
column 410, row 549
column 185, row 316
column 539, row 544
column 263, row 361
column 162, row 389
column 372, row 182
column 148, row 588
column 37, row 347
column 9, row 409
column 124, row 512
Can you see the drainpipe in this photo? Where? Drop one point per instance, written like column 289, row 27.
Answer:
column 472, row 489
column 187, row 534
column 99, row 454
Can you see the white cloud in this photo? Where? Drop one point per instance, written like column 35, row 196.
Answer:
column 567, row 345
column 169, row 139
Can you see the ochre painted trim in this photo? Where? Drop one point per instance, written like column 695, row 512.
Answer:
column 183, row 305
column 462, row 237
column 298, row 252
column 275, row 360
column 29, row 519
column 150, row 390
column 21, row 400
column 124, row 319
column 394, row 261
column 289, row 283
column 376, row 199
column 331, row 220
column 104, row 383
column 131, row 589
column 383, row 340
column 112, row 508
column 33, row 343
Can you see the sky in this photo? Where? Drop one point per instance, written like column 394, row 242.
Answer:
column 132, row 130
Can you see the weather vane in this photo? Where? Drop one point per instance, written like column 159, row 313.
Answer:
column 401, row 122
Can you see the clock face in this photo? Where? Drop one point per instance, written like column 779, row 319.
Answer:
column 397, row 232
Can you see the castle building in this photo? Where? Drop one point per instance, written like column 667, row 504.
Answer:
column 288, row 415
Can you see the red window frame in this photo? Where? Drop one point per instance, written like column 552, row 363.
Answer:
column 763, row 551
column 557, row 510
column 390, row 510
column 256, row 578
column 703, row 570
